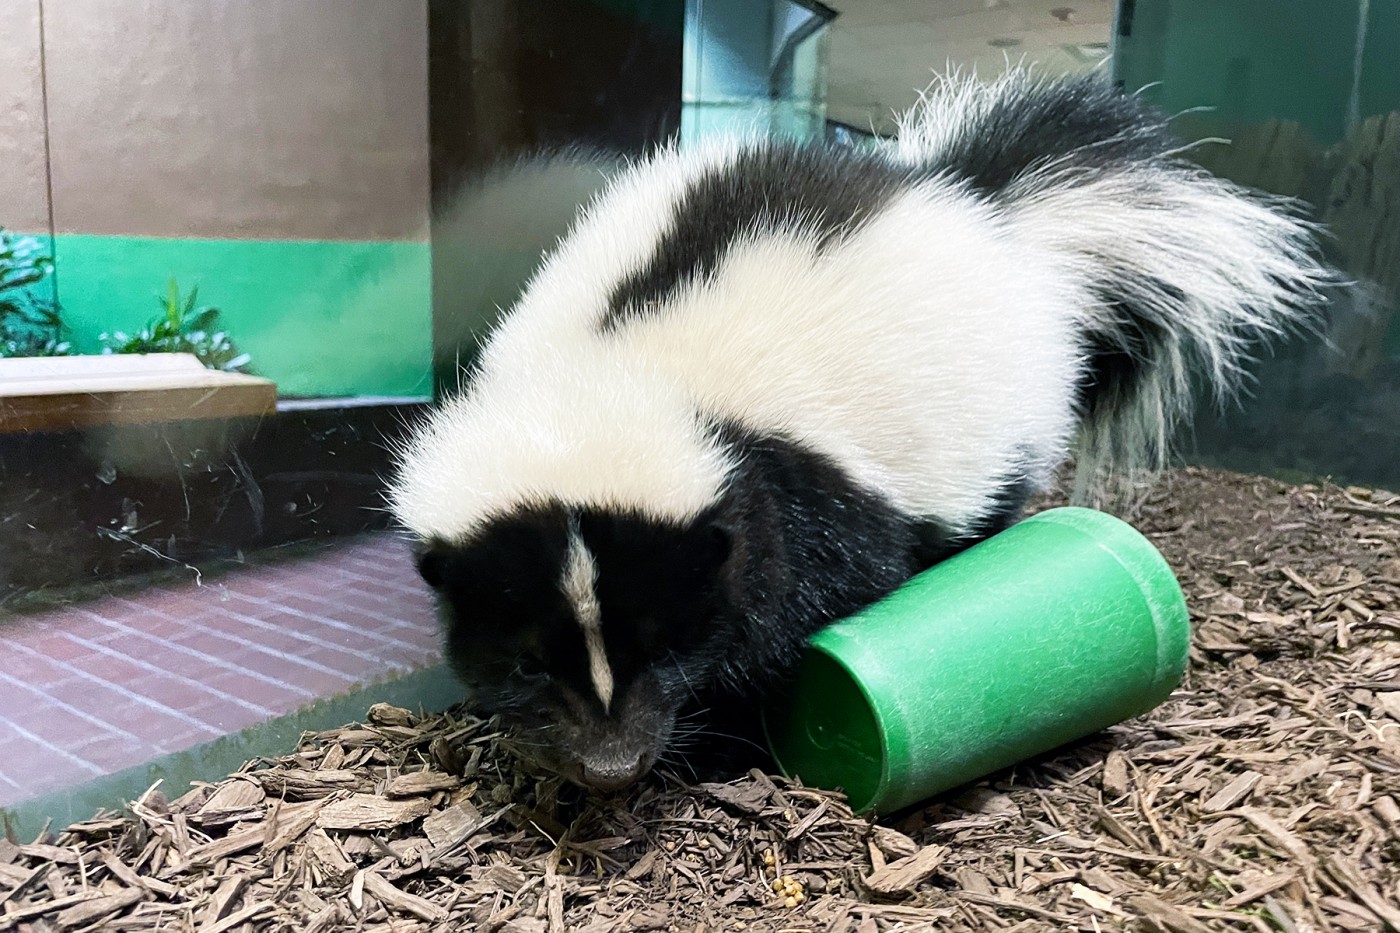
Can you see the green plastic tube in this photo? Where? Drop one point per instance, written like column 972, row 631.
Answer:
column 1060, row 626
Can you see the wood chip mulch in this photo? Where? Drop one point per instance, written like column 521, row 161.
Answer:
column 1262, row 796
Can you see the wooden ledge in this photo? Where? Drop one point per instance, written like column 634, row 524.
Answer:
column 64, row 392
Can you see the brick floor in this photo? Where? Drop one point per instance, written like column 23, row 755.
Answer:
column 95, row 688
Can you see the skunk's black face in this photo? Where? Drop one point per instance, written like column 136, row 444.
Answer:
column 587, row 632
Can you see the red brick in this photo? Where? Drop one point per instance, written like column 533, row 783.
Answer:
column 79, row 624
column 303, row 603
column 118, row 669
column 177, row 740
column 224, row 715
column 316, row 683
column 255, row 606
column 113, row 754
column 48, row 721
column 312, row 577
column 419, row 642
column 92, row 697
column 141, row 719
column 405, row 605
column 175, row 604
column 348, row 638
column 359, row 635
column 181, row 646
column 273, row 653
column 177, row 657
column 159, row 653
column 269, row 696
column 223, row 625
column 35, row 667
column 253, row 584
column 38, row 770
column 168, row 690
column 356, row 617
column 392, row 591
column 124, row 625
column 53, row 645
column 275, row 623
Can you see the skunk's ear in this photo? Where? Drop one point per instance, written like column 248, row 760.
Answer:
column 432, row 559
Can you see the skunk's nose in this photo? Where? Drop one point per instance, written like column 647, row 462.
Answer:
column 613, row 775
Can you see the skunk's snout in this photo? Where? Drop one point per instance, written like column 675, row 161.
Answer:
column 607, row 751
column 613, row 774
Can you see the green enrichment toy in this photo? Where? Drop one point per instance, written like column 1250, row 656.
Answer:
column 1060, row 626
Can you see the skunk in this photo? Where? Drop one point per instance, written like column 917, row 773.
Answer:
column 760, row 384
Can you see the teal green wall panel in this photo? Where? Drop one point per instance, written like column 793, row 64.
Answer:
column 1249, row 60
column 320, row 318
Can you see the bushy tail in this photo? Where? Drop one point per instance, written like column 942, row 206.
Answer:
column 1182, row 271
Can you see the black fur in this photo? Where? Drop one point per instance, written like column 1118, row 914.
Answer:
column 508, row 615
column 511, row 635
column 694, row 618
column 1115, row 368
column 1079, row 123
column 810, row 546
column 829, row 191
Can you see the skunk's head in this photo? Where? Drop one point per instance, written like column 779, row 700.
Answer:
column 585, row 631
column 573, row 540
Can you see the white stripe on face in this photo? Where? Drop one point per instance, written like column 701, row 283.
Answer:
column 580, row 577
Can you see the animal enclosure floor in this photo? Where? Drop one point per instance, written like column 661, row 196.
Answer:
column 89, row 689
column 1261, row 796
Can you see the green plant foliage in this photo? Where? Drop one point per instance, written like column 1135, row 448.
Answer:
column 23, row 261
column 30, row 322
column 31, row 326
column 183, row 327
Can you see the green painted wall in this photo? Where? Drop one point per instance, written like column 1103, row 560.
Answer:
column 1250, row 60
column 320, row 318
column 1256, row 60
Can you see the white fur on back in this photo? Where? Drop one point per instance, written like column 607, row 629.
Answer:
column 560, row 423
column 926, row 355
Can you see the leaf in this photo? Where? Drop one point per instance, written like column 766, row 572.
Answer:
column 172, row 303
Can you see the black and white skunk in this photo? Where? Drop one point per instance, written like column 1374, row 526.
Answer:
column 759, row 386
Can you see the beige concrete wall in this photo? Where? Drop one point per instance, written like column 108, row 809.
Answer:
column 281, row 119
column 23, row 198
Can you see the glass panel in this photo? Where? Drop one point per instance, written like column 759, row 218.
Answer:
column 754, row 68
column 883, row 52
column 1309, row 97
column 508, row 81
column 328, row 201
column 284, row 181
